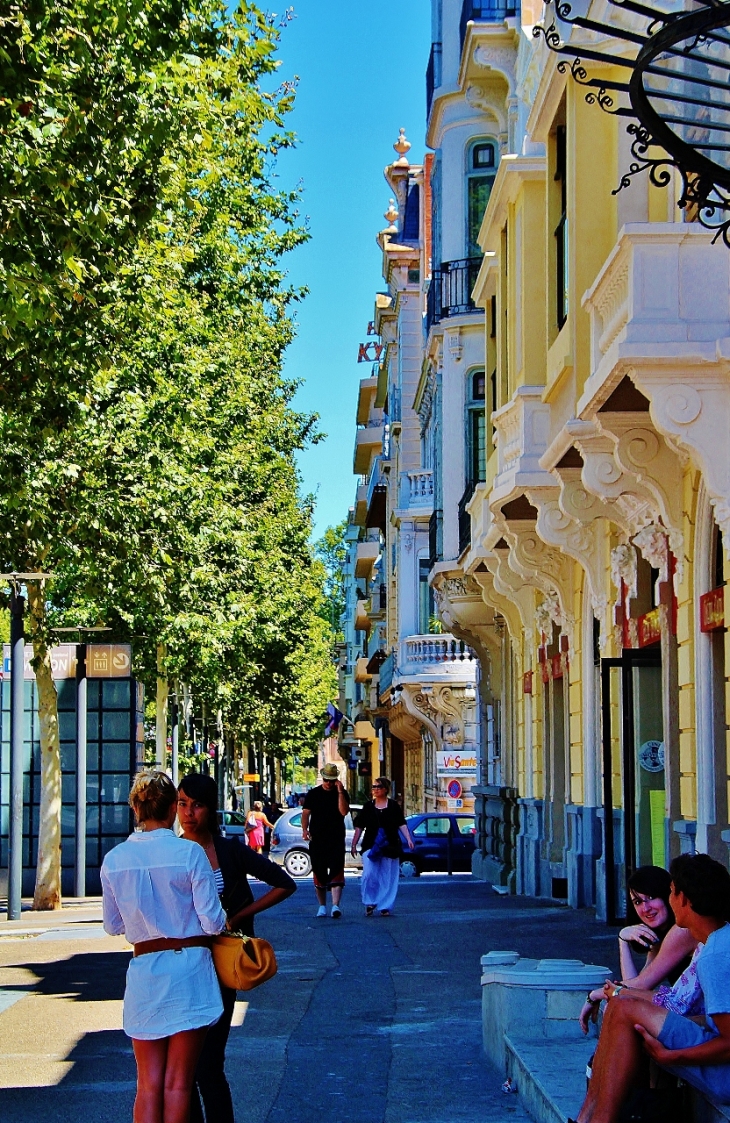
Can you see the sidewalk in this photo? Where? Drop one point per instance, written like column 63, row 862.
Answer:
column 369, row 1021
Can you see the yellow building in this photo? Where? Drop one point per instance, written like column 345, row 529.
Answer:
column 592, row 582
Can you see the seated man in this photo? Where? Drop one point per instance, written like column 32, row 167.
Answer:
column 700, row 1055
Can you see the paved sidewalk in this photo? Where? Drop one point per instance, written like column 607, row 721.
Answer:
column 367, row 1021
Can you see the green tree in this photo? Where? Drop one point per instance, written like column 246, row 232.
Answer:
column 331, row 550
column 147, row 460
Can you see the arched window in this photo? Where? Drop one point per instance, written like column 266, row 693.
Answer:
column 480, row 173
column 476, row 428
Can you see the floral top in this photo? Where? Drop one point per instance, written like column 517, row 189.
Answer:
column 685, row 997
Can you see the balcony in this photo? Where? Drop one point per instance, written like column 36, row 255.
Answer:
column 377, row 496
column 365, row 558
column 491, row 11
column 362, row 617
column 361, row 505
column 417, row 488
column 436, row 656
column 433, row 75
column 368, row 443
column 365, row 399
column 450, row 290
column 362, row 674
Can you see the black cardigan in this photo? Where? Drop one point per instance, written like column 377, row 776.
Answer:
column 237, row 862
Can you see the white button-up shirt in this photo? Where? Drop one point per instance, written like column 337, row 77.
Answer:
column 156, row 884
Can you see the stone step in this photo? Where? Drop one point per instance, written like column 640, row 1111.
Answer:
column 551, row 1080
column 550, row 1075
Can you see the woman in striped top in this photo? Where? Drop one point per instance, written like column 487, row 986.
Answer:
column 232, row 864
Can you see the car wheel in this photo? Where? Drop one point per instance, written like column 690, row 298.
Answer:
column 298, row 863
column 408, row 868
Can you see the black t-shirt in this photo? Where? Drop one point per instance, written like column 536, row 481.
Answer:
column 325, row 822
column 371, row 818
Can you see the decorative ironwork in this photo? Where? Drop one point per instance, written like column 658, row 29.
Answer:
column 677, row 90
column 450, row 290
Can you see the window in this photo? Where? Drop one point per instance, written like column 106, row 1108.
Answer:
column 432, row 827
column 481, row 169
column 429, row 755
column 476, row 429
column 466, row 826
column 561, row 230
column 425, row 597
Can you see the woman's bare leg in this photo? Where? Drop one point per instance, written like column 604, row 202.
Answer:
column 619, row 1057
column 182, row 1057
column 151, row 1058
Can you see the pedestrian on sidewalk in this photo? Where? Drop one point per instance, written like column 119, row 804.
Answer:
column 323, row 826
column 159, row 891
column 255, row 826
column 634, row 1025
column 231, row 864
column 383, row 822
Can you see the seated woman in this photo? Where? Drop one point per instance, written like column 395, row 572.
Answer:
column 667, row 947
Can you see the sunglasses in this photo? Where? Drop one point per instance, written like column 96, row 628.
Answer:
column 378, row 786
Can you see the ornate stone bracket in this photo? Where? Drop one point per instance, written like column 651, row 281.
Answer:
column 538, row 564
column 438, row 709
column 578, row 540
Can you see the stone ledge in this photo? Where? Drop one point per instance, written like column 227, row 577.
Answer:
column 551, row 1081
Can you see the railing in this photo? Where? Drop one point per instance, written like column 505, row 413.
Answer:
column 417, row 488
column 490, row 11
column 387, row 668
column 449, row 293
column 434, row 537
column 433, row 75
column 465, row 518
column 427, row 650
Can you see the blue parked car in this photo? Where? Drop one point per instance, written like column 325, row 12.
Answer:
column 443, row 842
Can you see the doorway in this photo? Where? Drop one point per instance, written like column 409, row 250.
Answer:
column 634, row 783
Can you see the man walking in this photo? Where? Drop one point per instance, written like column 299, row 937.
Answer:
column 323, row 826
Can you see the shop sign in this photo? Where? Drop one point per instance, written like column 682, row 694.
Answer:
column 251, row 777
column 649, row 628
column 712, row 610
column 556, row 664
column 454, row 804
column 450, row 763
column 108, row 660
column 527, row 682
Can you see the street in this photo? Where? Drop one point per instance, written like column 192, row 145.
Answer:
column 367, row 1020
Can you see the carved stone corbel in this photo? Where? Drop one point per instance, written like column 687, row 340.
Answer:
column 580, row 541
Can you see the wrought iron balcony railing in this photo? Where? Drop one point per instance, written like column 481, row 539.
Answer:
column 433, row 75
column 488, row 11
column 450, row 291
column 465, row 518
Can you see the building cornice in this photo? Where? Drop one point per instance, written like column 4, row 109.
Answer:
column 512, row 173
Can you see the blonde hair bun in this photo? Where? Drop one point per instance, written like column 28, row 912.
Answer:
column 152, row 795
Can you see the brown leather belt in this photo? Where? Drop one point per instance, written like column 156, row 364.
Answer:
column 164, row 943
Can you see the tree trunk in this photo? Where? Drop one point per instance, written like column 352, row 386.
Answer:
column 161, row 716
column 48, row 871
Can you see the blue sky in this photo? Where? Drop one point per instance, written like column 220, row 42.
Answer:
column 361, row 70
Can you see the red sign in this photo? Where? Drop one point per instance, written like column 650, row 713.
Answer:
column 454, row 789
column 712, row 610
column 527, row 682
column 364, row 349
column 649, row 628
column 557, row 666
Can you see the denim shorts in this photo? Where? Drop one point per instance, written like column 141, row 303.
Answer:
column 712, row 1080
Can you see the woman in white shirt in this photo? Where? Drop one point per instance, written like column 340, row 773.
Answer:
column 159, row 890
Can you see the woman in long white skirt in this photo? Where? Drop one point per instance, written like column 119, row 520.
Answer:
column 383, row 824
column 159, row 890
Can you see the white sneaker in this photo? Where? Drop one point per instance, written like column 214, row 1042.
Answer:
column 336, row 912
column 321, row 911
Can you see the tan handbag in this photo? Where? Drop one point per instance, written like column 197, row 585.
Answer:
column 243, row 962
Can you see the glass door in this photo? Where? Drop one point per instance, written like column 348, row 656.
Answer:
column 634, row 788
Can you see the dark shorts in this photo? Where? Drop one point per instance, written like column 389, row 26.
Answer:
column 712, row 1080
column 328, row 862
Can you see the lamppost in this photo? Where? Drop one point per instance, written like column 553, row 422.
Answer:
column 81, row 723
column 17, row 713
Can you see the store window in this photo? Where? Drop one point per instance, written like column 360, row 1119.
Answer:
column 481, row 170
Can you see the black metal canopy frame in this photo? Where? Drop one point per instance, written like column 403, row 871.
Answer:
column 677, row 90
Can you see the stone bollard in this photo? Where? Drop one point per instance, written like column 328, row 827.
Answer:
column 533, row 998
